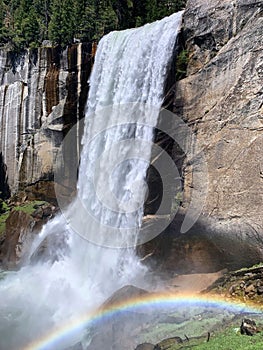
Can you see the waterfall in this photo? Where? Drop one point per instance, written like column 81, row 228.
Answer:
column 100, row 227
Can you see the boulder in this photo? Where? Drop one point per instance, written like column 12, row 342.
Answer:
column 124, row 293
column 248, row 327
column 121, row 330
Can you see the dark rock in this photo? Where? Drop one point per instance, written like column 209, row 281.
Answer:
column 43, row 213
column 38, row 213
column 43, row 191
column 167, row 343
column 145, row 346
column 181, row 254
column 125, row 293
column 248, row 327
column 47, row 211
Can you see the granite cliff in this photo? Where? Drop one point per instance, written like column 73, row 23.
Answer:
column 43, row 93
column 220, row 99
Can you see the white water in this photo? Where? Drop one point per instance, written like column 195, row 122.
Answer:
column 130, row 66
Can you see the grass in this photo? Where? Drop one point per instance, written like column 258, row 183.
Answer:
column 224, row 327
column 195, row 323
column 4, row 206
column 228, row 340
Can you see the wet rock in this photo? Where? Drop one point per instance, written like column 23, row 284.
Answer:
column 21, row 229
column 44, row 212
column 128, row 323
column 19, row 234
column 248, row 327
column 125, row 293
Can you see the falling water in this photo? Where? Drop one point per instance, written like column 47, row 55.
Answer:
column 100, row 227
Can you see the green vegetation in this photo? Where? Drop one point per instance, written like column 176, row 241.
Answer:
column 3, row 206
column 30, row 207
column 228, row 340
column 27, row 207
column 194, row 324
column 181, row 64
column 3, row 218
column 4, row 212
column 177, row 200
column 26, row 23
column 232, row 340
column 250, row 268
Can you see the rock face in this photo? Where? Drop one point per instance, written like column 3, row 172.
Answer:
column 42, row 93
column 19, row 231
column 220, row 100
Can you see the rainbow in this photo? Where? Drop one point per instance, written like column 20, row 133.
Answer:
column 158, row 301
